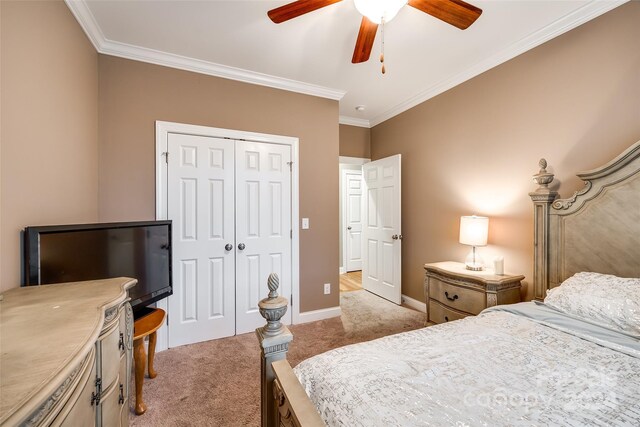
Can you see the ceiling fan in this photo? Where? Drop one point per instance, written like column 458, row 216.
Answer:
column 375, row 12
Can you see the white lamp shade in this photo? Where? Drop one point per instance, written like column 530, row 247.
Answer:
column 474, row 230
column 376, row 10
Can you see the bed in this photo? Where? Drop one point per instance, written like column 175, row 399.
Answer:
column 570, row 357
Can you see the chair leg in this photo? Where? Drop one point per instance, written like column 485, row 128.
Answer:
column 140, row 360
column 151, row 355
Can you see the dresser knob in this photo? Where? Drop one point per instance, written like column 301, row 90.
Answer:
column 446, row 319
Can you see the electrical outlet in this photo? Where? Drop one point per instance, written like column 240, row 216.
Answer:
column 305, row 223
column 327, row 288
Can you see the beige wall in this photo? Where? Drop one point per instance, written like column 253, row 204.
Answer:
column 49, row 117
column 355, row 141
column 574, row 100
column 133, row 95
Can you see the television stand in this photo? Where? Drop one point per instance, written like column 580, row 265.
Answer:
column 147, row 322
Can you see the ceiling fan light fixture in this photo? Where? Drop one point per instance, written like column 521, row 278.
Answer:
column 378, row 10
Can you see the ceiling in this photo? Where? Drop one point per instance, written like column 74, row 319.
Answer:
column 312, row 53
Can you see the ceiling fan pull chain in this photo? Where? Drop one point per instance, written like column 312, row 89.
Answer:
column 382, row 45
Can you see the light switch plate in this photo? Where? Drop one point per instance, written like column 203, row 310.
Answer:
column 305, row 223
column 327, row 288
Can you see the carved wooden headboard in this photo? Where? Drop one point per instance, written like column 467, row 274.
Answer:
column 597, row 229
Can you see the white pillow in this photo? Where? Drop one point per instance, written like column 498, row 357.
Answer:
column 611, row 301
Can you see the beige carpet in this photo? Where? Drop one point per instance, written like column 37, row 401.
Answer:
column 216, row 383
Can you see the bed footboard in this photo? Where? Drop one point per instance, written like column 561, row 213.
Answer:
column 294, row 406
column 283, row 401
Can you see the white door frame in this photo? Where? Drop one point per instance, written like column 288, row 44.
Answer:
column 343, row 160
column 162, row 131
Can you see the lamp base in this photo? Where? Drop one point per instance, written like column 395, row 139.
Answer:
column 474, row 267
column 474, row 261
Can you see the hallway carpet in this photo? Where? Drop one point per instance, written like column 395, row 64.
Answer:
column 217, row 383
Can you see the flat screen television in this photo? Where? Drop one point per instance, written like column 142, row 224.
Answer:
column 70, row 253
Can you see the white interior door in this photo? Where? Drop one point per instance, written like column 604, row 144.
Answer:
column 382, row 235
column 263, row 227
column 201, row 204
column 353, row 220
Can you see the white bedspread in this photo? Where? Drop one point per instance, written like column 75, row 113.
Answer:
column 496, row 369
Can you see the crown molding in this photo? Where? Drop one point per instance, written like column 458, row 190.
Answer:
column 354, row 121
column 87, row 21
column 568, row 22
column 151, row 56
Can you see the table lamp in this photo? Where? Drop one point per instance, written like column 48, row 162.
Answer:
column 473, row 232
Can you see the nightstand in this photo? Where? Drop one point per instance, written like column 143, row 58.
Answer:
column 453, row 292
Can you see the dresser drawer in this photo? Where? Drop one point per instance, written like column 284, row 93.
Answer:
column 439, row 313
column 80, row 411
column 110, row 407
column 109, row 356
column 463, row 299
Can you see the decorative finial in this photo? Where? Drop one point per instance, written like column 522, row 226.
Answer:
column 543, row 178
column 543, row 165
column 273, row 307
column 273, row 282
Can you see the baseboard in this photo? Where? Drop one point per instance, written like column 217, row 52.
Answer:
column 342, row 270
column 414, row 303
column 325, row 313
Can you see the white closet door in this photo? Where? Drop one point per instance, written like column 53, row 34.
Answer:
column 201, row 205
column 381, row 272
column 263, row 227
column 354, row 211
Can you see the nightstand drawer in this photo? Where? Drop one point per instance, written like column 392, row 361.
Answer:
column 439, row 313
column 463, row 299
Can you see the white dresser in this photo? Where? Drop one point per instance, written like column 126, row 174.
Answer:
column 65, row 354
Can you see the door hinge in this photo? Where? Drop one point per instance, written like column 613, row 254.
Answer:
column 291, row 234
column 166, row 156
column 167, row 317
column 290, row 166
column 291, row 300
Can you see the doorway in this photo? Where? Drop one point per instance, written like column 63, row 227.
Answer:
column 351, row 222
column 233, row 198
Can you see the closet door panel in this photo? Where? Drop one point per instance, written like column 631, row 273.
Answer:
column 263, row 227
column 201, row 203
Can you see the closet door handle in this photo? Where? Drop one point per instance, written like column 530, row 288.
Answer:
column 349, row 228
column 228, row 247
column 241, row 246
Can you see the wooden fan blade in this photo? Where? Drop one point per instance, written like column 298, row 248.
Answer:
column 297, row 8
column 454, row 12
column 364, row 43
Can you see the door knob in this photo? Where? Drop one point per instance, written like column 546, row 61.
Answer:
column 228, row 247
column 241, row 246
column 394, row 237
column 349, row 228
